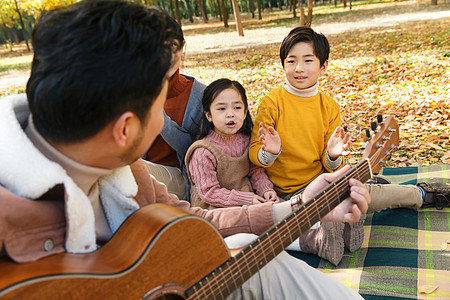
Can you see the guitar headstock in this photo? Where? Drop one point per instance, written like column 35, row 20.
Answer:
column 383, row 143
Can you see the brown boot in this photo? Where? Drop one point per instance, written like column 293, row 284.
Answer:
column 326, row 241
column 436, row 194
column 354, row 234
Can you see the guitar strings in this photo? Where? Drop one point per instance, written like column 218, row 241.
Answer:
column 282, row 229
column 258, row 253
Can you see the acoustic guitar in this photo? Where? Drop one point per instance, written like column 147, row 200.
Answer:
column 160, row 252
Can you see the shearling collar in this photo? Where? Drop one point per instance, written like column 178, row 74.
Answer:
column 29, row 174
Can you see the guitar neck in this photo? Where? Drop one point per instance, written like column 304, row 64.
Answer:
column 238, row 269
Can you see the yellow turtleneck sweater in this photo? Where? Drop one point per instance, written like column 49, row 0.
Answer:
column 304, row 124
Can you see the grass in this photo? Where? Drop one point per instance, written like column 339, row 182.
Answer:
column 15, row 63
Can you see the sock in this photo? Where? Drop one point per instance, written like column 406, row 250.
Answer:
column 422, row 192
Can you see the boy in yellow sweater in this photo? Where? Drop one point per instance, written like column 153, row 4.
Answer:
column 307, row 123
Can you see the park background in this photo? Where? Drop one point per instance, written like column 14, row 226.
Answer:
column 387, row 57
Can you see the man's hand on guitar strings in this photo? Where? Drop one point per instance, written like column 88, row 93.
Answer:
column 350, row 209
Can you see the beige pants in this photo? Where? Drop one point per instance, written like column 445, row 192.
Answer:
column 287, row 277
column 385, row 196
column 170, row 176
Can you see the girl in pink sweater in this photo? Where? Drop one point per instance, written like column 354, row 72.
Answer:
column 218, row 165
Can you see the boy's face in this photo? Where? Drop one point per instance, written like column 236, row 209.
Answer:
column 302, row 66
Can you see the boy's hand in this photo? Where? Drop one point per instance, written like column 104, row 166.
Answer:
column 269, row 139
column 271, row 196
column 338, row 143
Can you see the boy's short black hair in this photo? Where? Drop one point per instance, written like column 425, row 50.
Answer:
column 93, row 61
column 305, row 34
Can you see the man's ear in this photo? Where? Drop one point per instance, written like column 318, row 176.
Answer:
column 123, row 128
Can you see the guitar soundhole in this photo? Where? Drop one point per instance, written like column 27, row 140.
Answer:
column 171, row 291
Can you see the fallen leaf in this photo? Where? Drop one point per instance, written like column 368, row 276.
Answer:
column 444, row 245
column 427, row 288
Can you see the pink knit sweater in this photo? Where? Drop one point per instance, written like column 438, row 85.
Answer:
column 202, row 168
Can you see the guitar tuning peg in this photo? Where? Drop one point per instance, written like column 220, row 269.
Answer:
column 374, row 126
column 380, row 119
column 368, row 134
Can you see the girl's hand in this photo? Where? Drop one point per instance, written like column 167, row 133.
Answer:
column 271, row 196
column 258, row 199
column 338, row 143
column 269, row 139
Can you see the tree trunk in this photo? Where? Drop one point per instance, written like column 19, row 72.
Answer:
column 252, row 8
column 345, row 3
column 294, row 8
column 25, row 34
column 241, row 6
column 237, row 18
column 177, row 12
column 199, row 3
column 434, row 2
column 225, row 14
column 350, row 4
column 294, row 4
column 172, row 10
column 16, row 37
column 302, row 13
column 9, row 38
column 310, row 13
column 204, row 9
column 219, row 8
column 189, row 9
column 259, row 9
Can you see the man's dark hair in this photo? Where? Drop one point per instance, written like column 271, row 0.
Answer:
column 304, row 34
column 93, row 61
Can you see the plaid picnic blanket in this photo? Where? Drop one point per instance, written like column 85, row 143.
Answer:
column 402, row 247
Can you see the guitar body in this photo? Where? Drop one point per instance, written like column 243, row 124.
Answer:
column 158, row 252
column 162, row 253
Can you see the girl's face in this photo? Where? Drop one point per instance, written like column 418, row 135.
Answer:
column 227, row 112
column 302, row 66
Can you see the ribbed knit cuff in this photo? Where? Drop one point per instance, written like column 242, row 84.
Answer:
column 281, row 211
column 332, row 164
column 244, row 198
column 260, row 217
column 267, row 158
column 264, row 188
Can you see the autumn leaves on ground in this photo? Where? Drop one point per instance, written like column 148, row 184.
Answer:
column 401, row 70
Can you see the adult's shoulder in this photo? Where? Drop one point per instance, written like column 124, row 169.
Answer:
column 196, row 83
column 15, row 98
